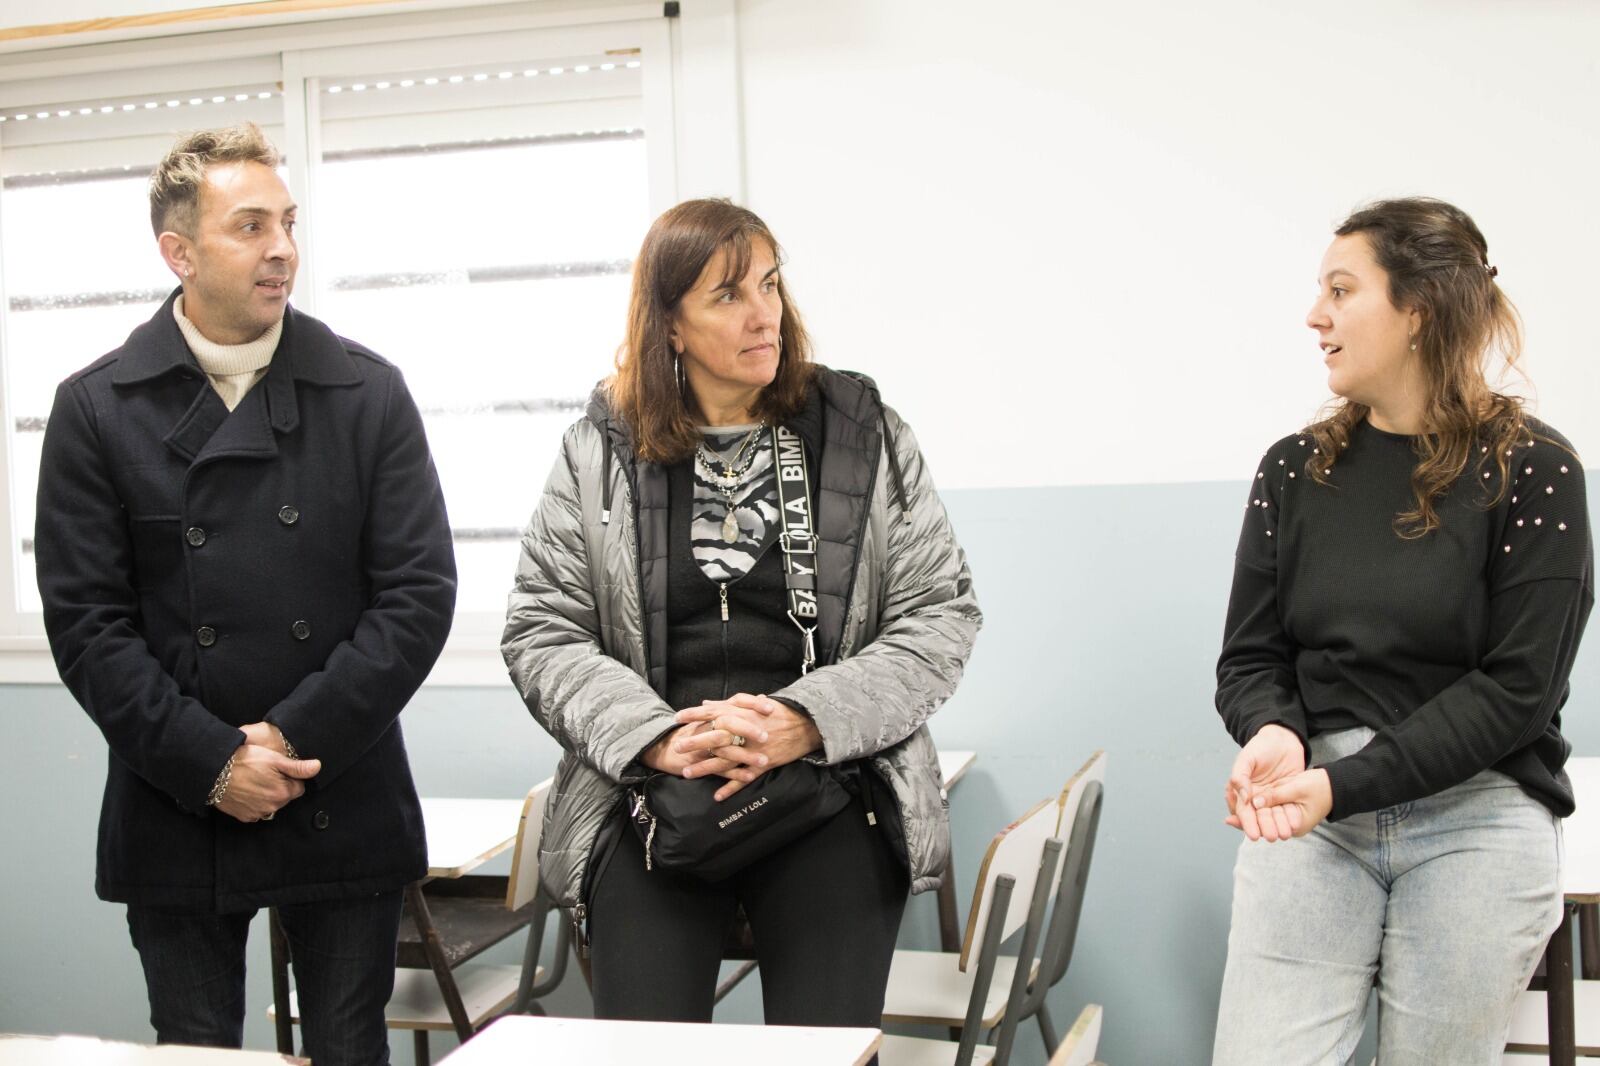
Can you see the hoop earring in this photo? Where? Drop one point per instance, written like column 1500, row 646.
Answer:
column 677, row 371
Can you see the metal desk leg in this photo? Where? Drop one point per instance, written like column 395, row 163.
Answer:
column 1589, row 939
column 436, row 959
column 949, row 930
column 280, row 983
column 1558, row 992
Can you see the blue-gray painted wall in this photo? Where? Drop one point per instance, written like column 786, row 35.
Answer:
column 1104, row 608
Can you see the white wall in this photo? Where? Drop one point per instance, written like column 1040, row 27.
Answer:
column 1075, row 242
column 1082, row 235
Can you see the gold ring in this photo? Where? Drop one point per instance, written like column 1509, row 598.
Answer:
column 737, row 741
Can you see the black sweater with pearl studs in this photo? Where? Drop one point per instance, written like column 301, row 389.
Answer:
column 1455, row 647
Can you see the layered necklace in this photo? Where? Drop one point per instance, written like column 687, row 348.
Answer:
column 727, row 474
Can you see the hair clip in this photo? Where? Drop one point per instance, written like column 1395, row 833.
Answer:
column 1493, row 272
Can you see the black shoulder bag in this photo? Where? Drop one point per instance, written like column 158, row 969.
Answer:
column 683, row 828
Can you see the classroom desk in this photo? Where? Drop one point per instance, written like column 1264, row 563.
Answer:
column 463, row 834
column 20, row 1050
column 1581, row 892
column 516, row 1040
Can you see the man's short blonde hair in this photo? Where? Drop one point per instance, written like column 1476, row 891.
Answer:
column 176, row 181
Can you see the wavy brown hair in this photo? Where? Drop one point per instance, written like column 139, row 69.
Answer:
column 648, row 390
column 1438, row 265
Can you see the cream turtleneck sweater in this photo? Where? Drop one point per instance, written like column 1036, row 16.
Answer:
column 232, row 368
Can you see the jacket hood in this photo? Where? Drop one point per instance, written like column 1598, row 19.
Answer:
column 846, row 395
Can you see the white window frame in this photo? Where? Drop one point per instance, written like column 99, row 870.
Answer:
column 693, row 138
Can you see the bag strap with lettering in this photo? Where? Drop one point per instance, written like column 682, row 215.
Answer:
column 797, row 538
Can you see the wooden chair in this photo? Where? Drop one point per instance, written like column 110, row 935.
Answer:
column 1082, row 1040
column 1529, row 1029
column 946, row 988
column 1022, row 989
column 1079, row 824
column 1533, row 1016
column 447, row 923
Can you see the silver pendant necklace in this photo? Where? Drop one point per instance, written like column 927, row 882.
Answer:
column 729, row 478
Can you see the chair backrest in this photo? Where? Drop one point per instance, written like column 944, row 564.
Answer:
column 1026, row 999
column 1001, row 906
column 1094, row 769
column 1014, row 852
column 524, row 880
column 1082, row 1041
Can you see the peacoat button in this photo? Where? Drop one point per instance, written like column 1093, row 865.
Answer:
column 301, row 629
column 195, row 536
column 320, row 819
column 288, row 514
column 205, row 636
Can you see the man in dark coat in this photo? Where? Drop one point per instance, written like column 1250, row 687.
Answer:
column 247, row 571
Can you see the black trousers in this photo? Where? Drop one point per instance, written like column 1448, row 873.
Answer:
column 824, row 913
column 343, row 955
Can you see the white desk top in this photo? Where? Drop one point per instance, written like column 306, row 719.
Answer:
column 953, row 764
column 463, row 834
column 1581, row 833
column 20, row 1050
column 516, row 1040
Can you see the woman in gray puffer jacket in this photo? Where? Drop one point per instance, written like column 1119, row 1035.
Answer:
column 650, row 630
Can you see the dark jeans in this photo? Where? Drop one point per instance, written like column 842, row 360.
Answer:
column 343, row 955
column 824, row 912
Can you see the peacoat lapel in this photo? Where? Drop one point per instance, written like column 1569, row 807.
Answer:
column 206, row 431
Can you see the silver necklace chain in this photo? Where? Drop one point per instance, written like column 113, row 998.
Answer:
column 730, row 477
column 733, row 470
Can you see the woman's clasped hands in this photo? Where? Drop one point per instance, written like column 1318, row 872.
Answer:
column 739, row 738
column 1270, row 794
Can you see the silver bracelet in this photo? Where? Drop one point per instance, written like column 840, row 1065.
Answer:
column 288, row 748
column 220, row 789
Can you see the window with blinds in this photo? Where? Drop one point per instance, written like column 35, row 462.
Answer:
column 476, row 225
column 77, row 254
column 470, row 213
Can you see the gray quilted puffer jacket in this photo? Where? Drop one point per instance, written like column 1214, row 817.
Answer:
column 586, row 624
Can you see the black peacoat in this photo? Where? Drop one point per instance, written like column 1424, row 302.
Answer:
column 289, row 561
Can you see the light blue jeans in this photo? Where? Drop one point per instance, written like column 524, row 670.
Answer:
column 1443, row 904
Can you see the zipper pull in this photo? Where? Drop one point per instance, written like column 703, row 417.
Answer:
column 722, row 594
column 580, row 932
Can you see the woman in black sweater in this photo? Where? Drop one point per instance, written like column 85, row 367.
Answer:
column 1410, row 588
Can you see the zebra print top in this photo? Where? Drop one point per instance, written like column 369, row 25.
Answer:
column 755, row 507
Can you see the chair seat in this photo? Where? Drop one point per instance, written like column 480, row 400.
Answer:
column 926, row 988
column 417, row 1002
column 1078, row 1047
column 470, row 916
column 923, row 1051
column 1529, row 1017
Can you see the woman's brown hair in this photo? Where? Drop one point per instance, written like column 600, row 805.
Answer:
column 1438, row 265
column 648, row 391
